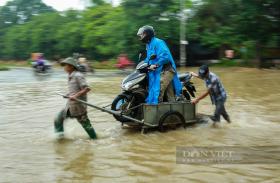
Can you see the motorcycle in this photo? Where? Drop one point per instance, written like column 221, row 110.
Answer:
column 83, row 65
column 42, row 68
column 135, row 91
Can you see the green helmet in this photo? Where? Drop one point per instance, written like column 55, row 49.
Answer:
column 70, row 61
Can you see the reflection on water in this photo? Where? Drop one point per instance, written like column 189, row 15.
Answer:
column 30, row 153
column 77, row 166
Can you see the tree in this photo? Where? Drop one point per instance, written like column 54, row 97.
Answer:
column 37, row 35
column 103, row 31
column 97, row 2
column 69, row 35
column 230, row 23
column 163, row 15
column 17, row 12
column 21, row 11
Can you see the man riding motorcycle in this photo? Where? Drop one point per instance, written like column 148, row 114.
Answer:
column 163, row 78
column 40, row 64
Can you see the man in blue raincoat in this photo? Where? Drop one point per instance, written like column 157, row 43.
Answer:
column 163, row 78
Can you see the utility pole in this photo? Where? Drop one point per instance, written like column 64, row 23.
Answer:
column 183, row 41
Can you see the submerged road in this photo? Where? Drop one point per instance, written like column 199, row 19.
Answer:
column 29, row 151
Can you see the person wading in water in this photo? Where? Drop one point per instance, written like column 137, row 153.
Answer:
column 78, row 89
column 216, row 91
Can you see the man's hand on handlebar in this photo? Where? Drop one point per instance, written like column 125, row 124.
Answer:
column 153, row 67
column 194, row 74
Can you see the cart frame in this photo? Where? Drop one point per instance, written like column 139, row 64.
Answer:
column 185, row 112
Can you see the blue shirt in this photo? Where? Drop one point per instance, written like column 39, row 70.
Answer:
column 217, row 90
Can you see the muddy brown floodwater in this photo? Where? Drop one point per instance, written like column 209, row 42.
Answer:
column 29, row 151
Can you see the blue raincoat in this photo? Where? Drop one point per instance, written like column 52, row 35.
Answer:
column 159, row 48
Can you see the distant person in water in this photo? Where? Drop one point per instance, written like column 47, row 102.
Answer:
column 78, row 89
column 216, row 91
column 40, row 63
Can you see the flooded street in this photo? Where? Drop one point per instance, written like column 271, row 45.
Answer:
column 30, row 153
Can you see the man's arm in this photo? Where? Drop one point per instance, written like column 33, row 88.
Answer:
column 80, row 93
column 195, row 75
column 162, row 55
column 83, row 85
column 195, row 101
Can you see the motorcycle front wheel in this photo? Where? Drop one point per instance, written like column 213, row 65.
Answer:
column 121, row 103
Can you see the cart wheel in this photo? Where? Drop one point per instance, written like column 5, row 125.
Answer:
column 171, row 117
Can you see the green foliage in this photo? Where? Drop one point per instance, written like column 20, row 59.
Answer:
column 227, row 63
column 3, row 68
column 163, row 15
column 102, row 31
column 97, row 2
column 21, row 11
column 235, row 23
column 109, row 64
column 35, row 36
column 69, row 35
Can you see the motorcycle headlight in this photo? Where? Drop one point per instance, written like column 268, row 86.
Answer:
column 129, row 84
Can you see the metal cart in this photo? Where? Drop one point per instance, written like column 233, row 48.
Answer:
column 156, row 116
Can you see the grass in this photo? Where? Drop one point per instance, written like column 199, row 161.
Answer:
column 9, row 64
column 4, row 68
column 6, row 65
column 230, row 63
column 110, row 64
